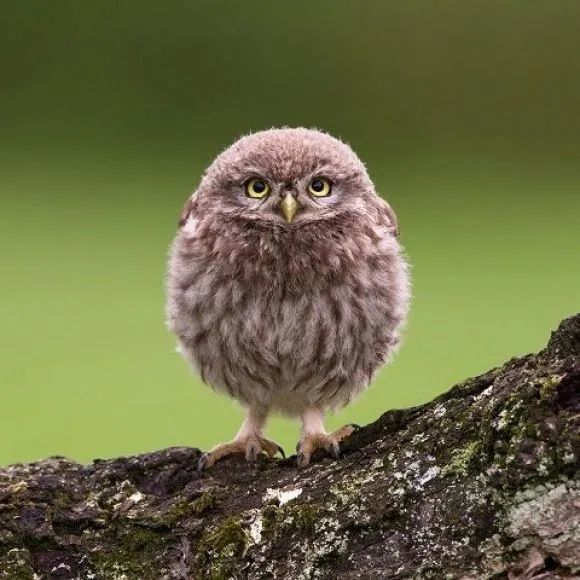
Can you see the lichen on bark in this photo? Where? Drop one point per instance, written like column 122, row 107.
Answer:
column 480, row 483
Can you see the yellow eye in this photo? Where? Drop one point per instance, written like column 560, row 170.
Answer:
column 319, row 187
column 257, row 188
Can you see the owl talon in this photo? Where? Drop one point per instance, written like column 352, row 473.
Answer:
column 270, row 448
column 303, row 459
column 330, row 443
column 250, row 447
column 204, row 462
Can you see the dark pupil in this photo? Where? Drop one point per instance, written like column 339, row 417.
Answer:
column 317, row 185
column 259, row 186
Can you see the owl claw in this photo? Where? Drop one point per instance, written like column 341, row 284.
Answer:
column 303, row 459
column 203, row 461
column 330, row 443
column 250, row 447
column 270, row 448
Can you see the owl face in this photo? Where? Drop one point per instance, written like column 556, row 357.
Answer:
column 287, row 178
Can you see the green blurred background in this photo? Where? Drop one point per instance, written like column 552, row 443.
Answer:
column 465, row 112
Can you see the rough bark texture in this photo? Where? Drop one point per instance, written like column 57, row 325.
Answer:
column 480, row 483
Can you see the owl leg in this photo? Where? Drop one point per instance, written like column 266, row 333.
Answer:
column 249, row 441
column 314, row 437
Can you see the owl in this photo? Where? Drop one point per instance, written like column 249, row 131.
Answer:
column 287, row 286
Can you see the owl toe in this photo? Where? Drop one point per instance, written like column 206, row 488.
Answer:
column 270, row 448
column 205, row 462
column 310, row 443
column 303, row 459
column 328, row 442
column 252, row 451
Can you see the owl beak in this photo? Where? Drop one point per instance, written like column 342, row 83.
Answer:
column 289, row 207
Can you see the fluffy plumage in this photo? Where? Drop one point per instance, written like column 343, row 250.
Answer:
column 281, row 316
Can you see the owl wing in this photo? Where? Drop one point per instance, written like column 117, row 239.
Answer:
column 388, row 218
column 189, row 210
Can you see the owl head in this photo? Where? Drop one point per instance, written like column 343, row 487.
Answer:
column 285, row 178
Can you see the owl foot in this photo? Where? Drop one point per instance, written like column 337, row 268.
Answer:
column 329, row 442
column 250, row 446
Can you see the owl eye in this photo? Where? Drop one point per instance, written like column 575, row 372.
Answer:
column 319, row 187
column 257, row 188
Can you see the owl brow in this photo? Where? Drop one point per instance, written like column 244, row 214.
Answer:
column 336, row 176
column 321, row 168
column 327, row 171
column 242, row 181
column 251, row 172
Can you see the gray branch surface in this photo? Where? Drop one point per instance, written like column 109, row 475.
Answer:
column 480, row 483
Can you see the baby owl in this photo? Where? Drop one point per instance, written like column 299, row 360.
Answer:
column 287, row 286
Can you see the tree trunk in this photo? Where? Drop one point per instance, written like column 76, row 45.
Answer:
column 480, row 483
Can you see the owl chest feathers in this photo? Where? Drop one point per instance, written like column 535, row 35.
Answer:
column 287, row 321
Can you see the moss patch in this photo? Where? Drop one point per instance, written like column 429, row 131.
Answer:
column 206, row 502
column 218, row 550
column 137, row 553
column 462, row 458
column 15, row 563
column 548, row 386
column 280, row 521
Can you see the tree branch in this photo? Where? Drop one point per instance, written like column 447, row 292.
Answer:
column 482, row 482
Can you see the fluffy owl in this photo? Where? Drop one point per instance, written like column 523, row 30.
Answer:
column 287, row 286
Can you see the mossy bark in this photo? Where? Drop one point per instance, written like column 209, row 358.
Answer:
column 480, row 483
